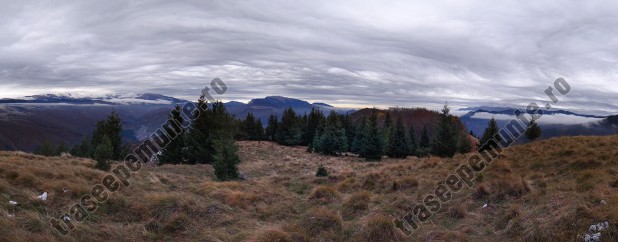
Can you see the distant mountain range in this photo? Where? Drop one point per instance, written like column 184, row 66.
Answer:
column 554, row 123
column 26, row 123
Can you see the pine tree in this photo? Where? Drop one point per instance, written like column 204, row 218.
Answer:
column 103, row 154
column 259, row 129
column 45, row 149
column 445, row 143
column 373, row 146
column 359, row 136
column 113, row 131
column 490, row 136
column 386, row 130
column 313, row 121
column 271, row 127
column 398, row 146
column 226, row 159
column 173, row 153
column 412, row 141
column 534, row 131
column 424, row 146
column 289, row 129
column 61, row 148
column 334, row 140
column 251, row 128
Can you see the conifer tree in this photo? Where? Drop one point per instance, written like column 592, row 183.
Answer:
column 424, row 146
column 490, row 136
column 225, row 158
column 173, row 153
column 45, row 149
column 103, row 154
column 113, row 128
column 289, row 129
column 359, row 136
column 373, row 145
column 334, row 140
column 412, row 141
column 445, row 142
column 398, row 146
column 271, row 127
column 313, row 121
column 534, row 131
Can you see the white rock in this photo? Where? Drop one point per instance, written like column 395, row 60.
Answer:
column 66, row 218
column 593, row 228
column 42, row 196
column 12, row 202
column 485, row 205
column 596, row 237
column 603, row 202
column 10, row 215
column 587, row 238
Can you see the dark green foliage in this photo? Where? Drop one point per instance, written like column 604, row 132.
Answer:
column 212, row 123
column 289, row 130
column 225, row 158
column 424, row 146
column 83, row 149
column 113, row 131
column 173, row 153
column 445, row 142
column 534, row 131
column 271, row 127
column 490, row 136
column 251, row 128
column 398, row 146
column 46, row 149
column 334, row 140
column 49, row 149
column 322, row 172
column 103, row 154
column 412, row 141
column 359, row 136
column 312, row 124
column 373, row 145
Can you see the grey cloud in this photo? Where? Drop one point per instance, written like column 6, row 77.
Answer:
column 367, row 53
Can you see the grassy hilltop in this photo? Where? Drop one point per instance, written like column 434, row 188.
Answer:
column 550, row 190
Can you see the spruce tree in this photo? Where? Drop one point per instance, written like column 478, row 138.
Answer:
column 271, row 127
column 103, row 154
column 173, row 153
column 359, row 136
column 313, row 121
column 113, row 128
column 259, row 130
column 225, row 158
column 490, row 136
column 289, row 130
column 334, row 140
column 398, row 146
column 45, row 149
column 412, row 141
column 445, row 143
column 373, row 146
column 534, row 131
column 424, row 146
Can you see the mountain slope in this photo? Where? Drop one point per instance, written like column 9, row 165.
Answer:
column 549, row 190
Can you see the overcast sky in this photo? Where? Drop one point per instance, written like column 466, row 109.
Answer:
column 345, row 53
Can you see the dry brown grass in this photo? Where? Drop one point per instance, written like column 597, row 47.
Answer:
column 547, row 190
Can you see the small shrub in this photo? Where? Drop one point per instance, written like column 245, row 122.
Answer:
column 324, row 195
column 322, row 172
column 321, row 220
column 355, row 204
column 380, row 228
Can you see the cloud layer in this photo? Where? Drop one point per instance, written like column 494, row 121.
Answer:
column 363, row 53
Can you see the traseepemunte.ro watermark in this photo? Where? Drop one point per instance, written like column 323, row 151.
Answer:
column 464, row 174
column 132, row 164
